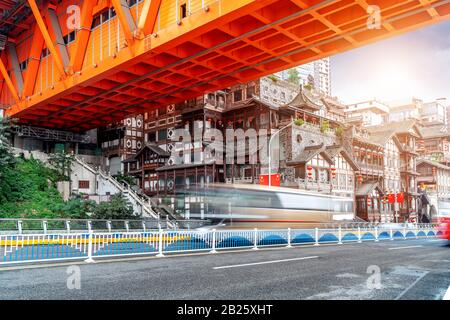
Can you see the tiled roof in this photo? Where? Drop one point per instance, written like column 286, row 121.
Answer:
column 366, row 188
column 309, row 152
column 434, row 131
column 397, row 127
column 432, row 163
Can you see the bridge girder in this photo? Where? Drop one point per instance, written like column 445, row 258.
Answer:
column 146, row 64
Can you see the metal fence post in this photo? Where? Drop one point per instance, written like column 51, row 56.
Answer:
column 127, row 225
column 68, row 226
column 89, row 225
column 89, row 259
column 160, row 244
column 340, row 235
column 376, row 234
column 316, row 236
column 289, row 245
column 19, row 226
column 44, row 226
column 255, row 240
column 144, row 228
column 108, row 225
column 213, row 245
column 359, row 235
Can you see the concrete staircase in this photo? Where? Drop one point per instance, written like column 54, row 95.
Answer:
column 141, row 203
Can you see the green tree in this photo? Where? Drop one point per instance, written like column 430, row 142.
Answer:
column 62, row 162
column 7, row 158
column 293, row 76
column 76, row 208
column 124, row 178
column 117, row 208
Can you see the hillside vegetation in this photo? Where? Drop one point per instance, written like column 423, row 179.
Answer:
column 28, row 189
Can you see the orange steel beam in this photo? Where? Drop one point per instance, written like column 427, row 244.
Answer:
column 123, row 12
column 308, row 59
column 83, row 34
column 47, row 38
column 235, row 41
column 8, row 81
column 34, row 57
column 148, row 16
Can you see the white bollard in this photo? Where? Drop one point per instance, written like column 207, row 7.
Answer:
column 316, row 236
column 255, row 240
column 89, row 259
column 19, row 226
column 108, row 225
column 213, row 244
column 44, row 226
column 160, row 244
column 359, row 235
column 376, row 234
column 289, row 245
column 391, row 234
column 68, row 226
column 340, row 235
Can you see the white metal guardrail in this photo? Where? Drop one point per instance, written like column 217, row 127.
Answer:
column 56, row 226
column 23, row 248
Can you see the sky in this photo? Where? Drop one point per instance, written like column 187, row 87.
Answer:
column 416, row 64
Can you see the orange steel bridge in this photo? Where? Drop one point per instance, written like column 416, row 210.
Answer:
column 77, row 65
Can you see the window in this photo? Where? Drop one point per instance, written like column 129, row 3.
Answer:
column 237, row 95
column 70, row 37
column 152, row 136
column 162, row 134
column 251, row 91
column 83, row 184
column 183, row 11
column 45, row 53
column 103, row 17
column 23, row 65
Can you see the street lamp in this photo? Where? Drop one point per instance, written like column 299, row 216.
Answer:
column 270, row 151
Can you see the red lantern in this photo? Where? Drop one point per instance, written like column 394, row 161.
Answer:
column 391, row 198
column 400, row 197
column 360, row 178
column 310, row 174
column 333, row 172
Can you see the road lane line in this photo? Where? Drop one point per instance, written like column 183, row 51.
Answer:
column 409, row 247
column 412, row 285
column 264, row 262
column 436, row 240
column 447, row 295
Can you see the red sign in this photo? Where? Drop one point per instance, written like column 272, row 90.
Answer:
column 391, row 198
column 274, row 181
column 400, row 197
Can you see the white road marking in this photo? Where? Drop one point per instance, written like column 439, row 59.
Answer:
column 436, row 240
column 264, row 262
column 447, row 295
column 399, row 248
column 412, row 285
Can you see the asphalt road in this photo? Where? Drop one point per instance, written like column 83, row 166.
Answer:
column 409, row 269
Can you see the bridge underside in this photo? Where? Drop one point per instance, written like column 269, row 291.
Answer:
column 224, row 44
